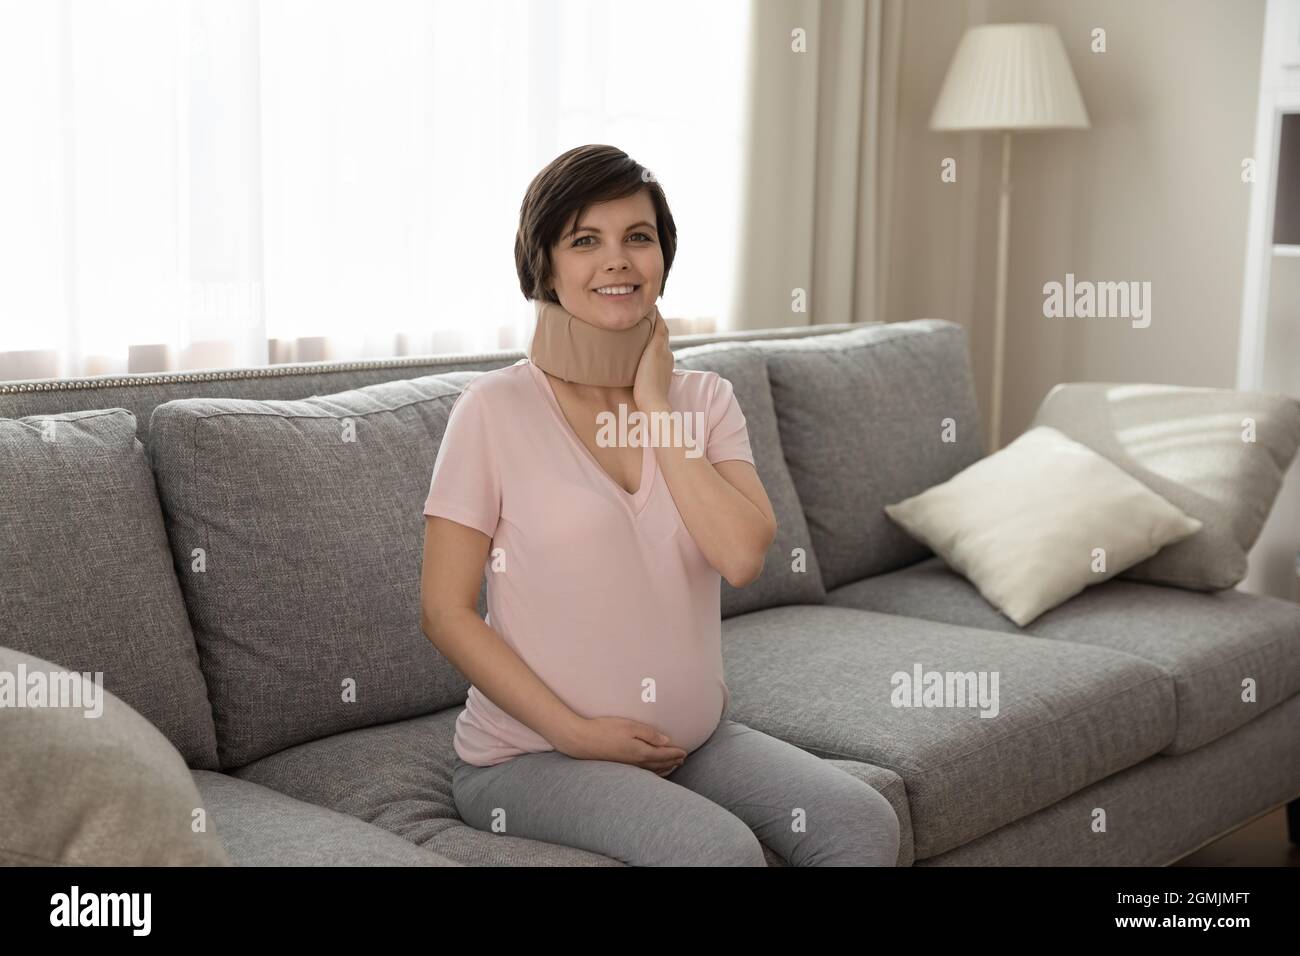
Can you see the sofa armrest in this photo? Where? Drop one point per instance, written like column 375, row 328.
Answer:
column 1217, row 454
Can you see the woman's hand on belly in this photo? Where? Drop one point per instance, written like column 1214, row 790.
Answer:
column 625, row 741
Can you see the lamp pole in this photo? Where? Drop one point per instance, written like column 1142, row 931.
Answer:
column 1006, row 77
column 1000, row 301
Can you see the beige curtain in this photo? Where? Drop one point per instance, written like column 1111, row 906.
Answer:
column 822, row 119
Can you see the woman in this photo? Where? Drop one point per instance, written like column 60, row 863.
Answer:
column 595, row 718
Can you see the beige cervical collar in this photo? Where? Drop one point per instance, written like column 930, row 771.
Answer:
column 577, row 351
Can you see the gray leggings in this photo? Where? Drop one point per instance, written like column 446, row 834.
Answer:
column 739, row 787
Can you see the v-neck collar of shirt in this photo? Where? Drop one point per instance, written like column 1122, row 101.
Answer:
column 636, row 501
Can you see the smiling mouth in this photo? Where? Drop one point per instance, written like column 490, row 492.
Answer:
column 620, row 295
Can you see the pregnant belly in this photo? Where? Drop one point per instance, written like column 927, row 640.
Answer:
column 681, row 698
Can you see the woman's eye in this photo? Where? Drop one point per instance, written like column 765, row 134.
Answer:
column 645, row 236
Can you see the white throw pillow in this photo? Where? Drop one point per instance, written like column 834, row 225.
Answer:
column 1037, row 522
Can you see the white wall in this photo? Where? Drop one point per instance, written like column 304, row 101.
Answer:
column 1152, row 192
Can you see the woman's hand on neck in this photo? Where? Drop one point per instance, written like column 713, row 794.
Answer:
column 654, row 372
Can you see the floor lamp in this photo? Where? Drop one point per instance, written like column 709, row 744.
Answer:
column 1008, row 77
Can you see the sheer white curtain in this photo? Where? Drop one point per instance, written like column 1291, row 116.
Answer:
column 209, row 183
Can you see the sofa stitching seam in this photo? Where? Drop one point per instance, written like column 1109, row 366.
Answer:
column 275, row 414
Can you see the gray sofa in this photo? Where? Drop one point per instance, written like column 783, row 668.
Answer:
column 239, row 552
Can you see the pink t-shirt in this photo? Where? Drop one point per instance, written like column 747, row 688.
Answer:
column 603, row 594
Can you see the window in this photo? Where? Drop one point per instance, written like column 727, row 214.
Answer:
column 214, row 184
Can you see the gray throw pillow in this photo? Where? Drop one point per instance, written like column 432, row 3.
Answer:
column 86, row 781
column 1218, row 455
column 297, row 533
column 86, row 575
column 784, row 580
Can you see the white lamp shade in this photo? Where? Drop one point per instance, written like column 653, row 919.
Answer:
column 1010, row 76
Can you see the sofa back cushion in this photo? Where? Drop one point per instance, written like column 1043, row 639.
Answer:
column 86, row 576
column 297, row 533
column 787, row 578
column 867, row 418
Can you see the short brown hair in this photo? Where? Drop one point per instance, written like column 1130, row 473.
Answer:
column 571, row 182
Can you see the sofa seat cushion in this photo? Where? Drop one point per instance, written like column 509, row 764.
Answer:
column 259, row 827
column 1161, row 810
column 1067, row 715
column 1209, row 643
column 867, row 418
column 398, row 777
